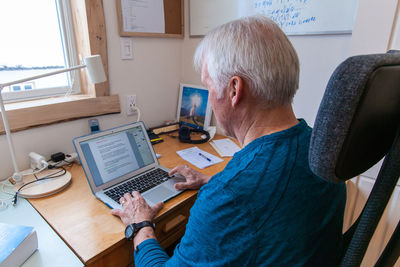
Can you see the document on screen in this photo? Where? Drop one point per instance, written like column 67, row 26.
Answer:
column 114, row 156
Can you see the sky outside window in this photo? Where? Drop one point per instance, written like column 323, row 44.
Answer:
column 30, row 34
column 31, row 44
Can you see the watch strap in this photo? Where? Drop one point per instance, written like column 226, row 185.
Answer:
column 140, row 225
column 132, row 229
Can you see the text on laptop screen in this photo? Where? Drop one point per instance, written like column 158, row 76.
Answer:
column 112, row 156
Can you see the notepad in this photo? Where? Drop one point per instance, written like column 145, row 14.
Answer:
column 225, row 147
column 199, row 158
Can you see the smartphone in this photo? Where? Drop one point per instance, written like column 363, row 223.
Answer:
column 94, row 125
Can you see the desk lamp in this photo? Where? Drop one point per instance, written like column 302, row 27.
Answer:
column 96, row 75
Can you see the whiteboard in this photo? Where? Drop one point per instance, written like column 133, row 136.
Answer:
column 293, row 16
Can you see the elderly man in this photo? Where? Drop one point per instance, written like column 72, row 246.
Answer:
column 266, row 207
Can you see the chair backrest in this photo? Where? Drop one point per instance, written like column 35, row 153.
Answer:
column 357, row 125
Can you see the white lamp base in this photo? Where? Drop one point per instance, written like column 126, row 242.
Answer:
column 45, row 187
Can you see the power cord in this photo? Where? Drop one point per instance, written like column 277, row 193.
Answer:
column 57, row 165
column 45, row 165
column 56, row 174
column 38, row 164
column 139, row 113
column 5, row 202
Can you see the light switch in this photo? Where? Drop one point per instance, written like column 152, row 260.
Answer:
column 126, row 48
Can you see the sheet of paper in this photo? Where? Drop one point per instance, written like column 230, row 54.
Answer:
column 143, row 16
column 199, row 158
column 225, row 147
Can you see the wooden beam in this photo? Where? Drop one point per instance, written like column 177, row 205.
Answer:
column 90, row 39
column 58, row 110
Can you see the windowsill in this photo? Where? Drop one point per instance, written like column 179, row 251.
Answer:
column 28, row 114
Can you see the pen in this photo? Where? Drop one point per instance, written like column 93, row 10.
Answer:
column 204, row 157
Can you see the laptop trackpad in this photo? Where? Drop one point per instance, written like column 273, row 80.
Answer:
column 158, row 194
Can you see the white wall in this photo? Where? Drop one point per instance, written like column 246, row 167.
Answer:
column 319, row 55
column 375, row 26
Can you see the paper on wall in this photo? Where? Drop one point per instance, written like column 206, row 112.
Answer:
column 143, row 16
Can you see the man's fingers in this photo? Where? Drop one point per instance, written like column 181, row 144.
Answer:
column 128, row 197
column 173, row 171
column 181, row 186
column 138, row 197
column 116, row 212
column 177, row 169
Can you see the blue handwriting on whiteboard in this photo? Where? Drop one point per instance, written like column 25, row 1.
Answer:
column 286, row 13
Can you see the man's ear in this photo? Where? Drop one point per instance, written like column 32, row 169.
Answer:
column 236, row 86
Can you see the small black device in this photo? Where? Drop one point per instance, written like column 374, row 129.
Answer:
column 184, row 135
column 56, row 157
column 132, row 229
column 154, row 138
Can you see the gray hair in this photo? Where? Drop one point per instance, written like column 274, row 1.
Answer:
column 255, row 49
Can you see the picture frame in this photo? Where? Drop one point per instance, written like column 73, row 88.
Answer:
column 194, row 108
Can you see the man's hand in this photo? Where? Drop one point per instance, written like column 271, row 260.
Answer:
column 135, row 209
column 194, row 179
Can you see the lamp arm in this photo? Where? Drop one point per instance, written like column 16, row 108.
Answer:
column 41, row 76
column 96, row 75
column 17, row 175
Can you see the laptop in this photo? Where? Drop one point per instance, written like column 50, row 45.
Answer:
column 121, row 160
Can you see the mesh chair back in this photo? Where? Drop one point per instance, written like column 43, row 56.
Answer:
column 358, row 123
column 358, row 117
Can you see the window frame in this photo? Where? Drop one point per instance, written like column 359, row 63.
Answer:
column 90, row 38
column 69, row 38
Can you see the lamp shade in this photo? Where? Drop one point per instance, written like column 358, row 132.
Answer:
column 95, row 69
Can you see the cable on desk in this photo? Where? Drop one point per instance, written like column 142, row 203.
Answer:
column 48, row 177
column 4, row 201
column 69, row 164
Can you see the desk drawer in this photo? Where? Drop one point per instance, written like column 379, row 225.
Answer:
column 172, row 227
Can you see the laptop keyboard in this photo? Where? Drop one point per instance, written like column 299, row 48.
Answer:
column 142, row 183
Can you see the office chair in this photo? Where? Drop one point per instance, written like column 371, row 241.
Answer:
column 358, row 123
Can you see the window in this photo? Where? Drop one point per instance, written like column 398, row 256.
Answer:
column 40, row 41
column 90, row 35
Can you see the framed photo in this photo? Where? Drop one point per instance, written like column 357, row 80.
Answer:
column 194, row 109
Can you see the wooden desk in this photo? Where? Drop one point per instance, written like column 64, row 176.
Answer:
column 96, row 236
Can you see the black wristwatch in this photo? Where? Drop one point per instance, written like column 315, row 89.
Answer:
column 132, row 229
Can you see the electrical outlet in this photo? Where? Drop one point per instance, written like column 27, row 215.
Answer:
column 130, row 105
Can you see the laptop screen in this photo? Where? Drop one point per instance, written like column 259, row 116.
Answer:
column 112, row 156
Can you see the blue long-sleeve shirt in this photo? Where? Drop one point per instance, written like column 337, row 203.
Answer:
column 265, row 208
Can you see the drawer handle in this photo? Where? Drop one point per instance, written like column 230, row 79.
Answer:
column 174, row 223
